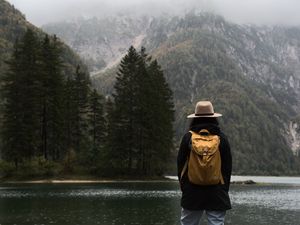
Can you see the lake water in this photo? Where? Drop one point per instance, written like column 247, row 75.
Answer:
column 140, row 203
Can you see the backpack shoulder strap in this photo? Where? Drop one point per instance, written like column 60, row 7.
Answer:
column 184, row 168
column 187, row 159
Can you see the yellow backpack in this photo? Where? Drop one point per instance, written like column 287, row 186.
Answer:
column 204, row 161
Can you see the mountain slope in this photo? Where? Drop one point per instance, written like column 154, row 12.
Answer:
column 101, row 42
column 199, row 70
column 13, row 25
column 246, row 72
column 205, row 57
column 250, row 73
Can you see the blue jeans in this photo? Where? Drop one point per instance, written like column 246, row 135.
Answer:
column 189, row 217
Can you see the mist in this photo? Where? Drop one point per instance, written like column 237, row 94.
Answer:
column 260, row 12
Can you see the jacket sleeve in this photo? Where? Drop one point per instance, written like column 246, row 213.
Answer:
column 183, row 153
column 226, row 161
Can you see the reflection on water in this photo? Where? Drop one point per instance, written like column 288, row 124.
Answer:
column 269, row 179
column 138, row 203
column 104, row 193
column 279, row 198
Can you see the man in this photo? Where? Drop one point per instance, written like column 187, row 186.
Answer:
column 204, row 172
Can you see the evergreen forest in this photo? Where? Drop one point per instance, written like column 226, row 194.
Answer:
column 124, row 120
column 56, row 124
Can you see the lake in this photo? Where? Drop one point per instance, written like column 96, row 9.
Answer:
column 141, row 203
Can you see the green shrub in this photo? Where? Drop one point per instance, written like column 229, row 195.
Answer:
column 38, row 167
column 6, row 168
column 69, row 161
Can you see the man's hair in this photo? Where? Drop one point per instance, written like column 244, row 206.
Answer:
column 204, row 120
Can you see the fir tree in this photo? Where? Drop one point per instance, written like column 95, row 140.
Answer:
column 81, row 93
column 97, row 125
column 76, row 93
column 69, row 116
column 51, row 99
column 126, row 109
column 12, row 114
column 20, row 89
column 111, row 158
column 161, row 120
column 156, row 118
column 141, row 96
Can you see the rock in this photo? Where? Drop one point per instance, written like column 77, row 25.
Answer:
column 243, row 182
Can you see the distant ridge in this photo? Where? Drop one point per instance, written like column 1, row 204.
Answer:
column 13, row 25
column 250, row 73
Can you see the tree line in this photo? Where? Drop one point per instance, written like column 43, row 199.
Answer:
column 53, row 121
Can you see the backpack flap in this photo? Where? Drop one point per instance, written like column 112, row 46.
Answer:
column 204, row 164
column 204, row 143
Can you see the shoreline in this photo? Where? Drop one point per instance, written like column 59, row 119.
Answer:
column 84, row 180
column 80, row 181
column 248, row 180
column 104, row 181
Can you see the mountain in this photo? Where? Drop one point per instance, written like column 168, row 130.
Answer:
column 101, row 42
column 13, row 25
column 251, row 73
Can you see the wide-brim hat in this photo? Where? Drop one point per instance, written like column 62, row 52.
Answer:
column 204, row 109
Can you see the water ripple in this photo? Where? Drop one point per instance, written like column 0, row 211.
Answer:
column 272, row 198
column 281, row 198
column 104, row 193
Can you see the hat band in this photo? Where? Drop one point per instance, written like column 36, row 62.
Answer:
column 204, row 114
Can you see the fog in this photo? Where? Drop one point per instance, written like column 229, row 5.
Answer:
column 270, row 12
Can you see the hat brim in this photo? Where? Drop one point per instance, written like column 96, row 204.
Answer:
column 196, row 116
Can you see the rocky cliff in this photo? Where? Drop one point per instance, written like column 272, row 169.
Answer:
column 250, row 73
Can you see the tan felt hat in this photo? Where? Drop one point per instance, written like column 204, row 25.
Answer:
column 204, row 109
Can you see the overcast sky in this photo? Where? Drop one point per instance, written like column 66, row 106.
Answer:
column 280, row 12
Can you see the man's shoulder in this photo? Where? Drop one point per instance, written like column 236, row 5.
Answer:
column 224, row 139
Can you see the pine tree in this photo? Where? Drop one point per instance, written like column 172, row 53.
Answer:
column 97, row 126
column 161, row 120
column 20, row 89
column 51, row 99
column 12, row 114
column 113, row 159
column 76, row 93
column 81, row 93
column 144, row 116
column 67, row 111
column 44, row 113
column 157, row 115
column 141, row 96
column 124, row 128
column 69, row 119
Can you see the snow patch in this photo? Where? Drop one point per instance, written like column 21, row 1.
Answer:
column 136, row 43
column 295, row 138
column 192, row 85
